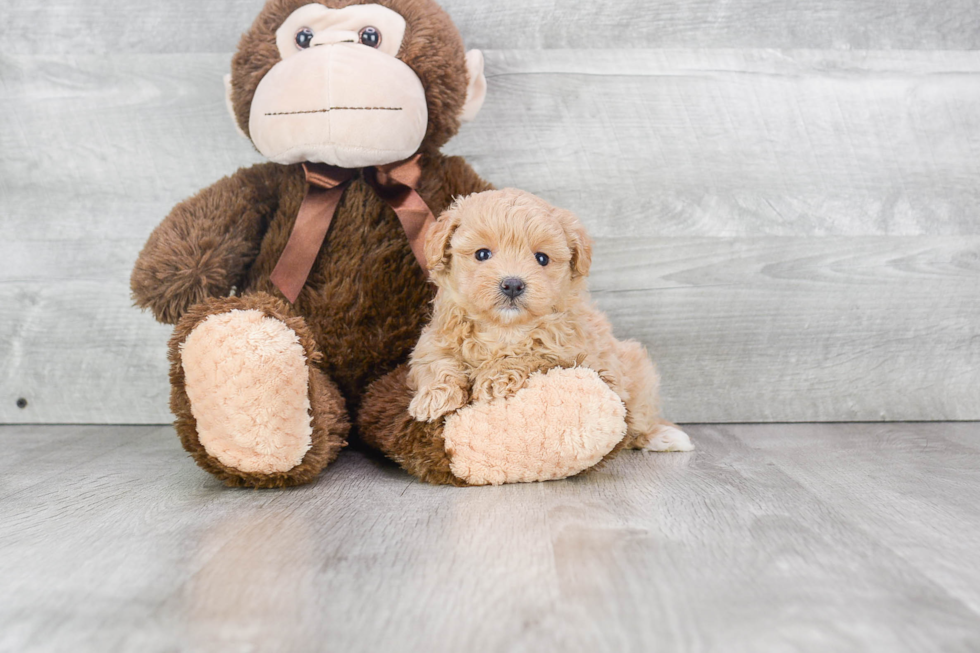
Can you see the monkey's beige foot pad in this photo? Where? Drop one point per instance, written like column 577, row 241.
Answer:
column 246, row 378
column 561, row 423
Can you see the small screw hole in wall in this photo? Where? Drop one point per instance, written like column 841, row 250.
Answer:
column 22, row 403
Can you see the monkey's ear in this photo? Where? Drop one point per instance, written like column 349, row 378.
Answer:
column 231, row 107
column 580, row 243
column 476, row 90
column 437, row 241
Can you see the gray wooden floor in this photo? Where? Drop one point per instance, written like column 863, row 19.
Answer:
column 768, row 538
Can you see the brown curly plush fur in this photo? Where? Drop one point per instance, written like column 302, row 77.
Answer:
column 366, row 298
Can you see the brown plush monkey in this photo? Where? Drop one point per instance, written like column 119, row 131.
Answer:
column 282, row 323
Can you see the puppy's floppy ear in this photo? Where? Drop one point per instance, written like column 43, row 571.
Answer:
column 579, row 242
column 437, row 240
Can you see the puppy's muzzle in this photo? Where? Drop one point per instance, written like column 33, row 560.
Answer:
column 512, row 287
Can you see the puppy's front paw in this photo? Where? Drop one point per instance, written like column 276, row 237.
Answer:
column 434, row 401
column 502, row 385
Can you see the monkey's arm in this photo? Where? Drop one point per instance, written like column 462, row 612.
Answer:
column 203, row 248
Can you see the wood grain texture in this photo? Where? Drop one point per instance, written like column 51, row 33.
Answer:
column 792, row 233
column 650, row 143
column 787, row 329
column 734, row 143
column 767, row 538
column 106, row 26
column 858, row 329
column 932, row 524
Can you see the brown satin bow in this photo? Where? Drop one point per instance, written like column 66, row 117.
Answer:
column 395, row 183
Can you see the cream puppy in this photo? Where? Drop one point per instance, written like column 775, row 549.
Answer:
column 513, row 300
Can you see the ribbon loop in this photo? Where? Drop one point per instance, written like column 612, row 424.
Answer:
column 403, row 173
column 326, row 177
column 395, row 183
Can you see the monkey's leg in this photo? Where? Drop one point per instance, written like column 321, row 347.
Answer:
column 383, row 422
column 563, row 422
column 252, row 406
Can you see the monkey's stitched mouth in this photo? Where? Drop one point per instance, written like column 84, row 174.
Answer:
column 328, row 110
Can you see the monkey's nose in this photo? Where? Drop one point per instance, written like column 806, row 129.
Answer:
column 512, row 287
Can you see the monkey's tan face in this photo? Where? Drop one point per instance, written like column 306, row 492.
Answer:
column 340, row 95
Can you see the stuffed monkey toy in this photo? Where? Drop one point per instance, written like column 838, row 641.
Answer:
column 296, row 286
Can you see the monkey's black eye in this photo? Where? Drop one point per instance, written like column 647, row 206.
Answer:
column 303, row 38
column 483, row 254
column 542, row 259
column 370, row 36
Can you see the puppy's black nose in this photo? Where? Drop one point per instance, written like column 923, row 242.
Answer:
column 512, row 287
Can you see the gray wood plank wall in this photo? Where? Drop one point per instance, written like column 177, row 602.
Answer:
column 785, row 194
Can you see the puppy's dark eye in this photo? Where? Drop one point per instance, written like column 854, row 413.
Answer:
column 483, row 254
column 370, row 36
column 542, row 259
column 303, row 38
